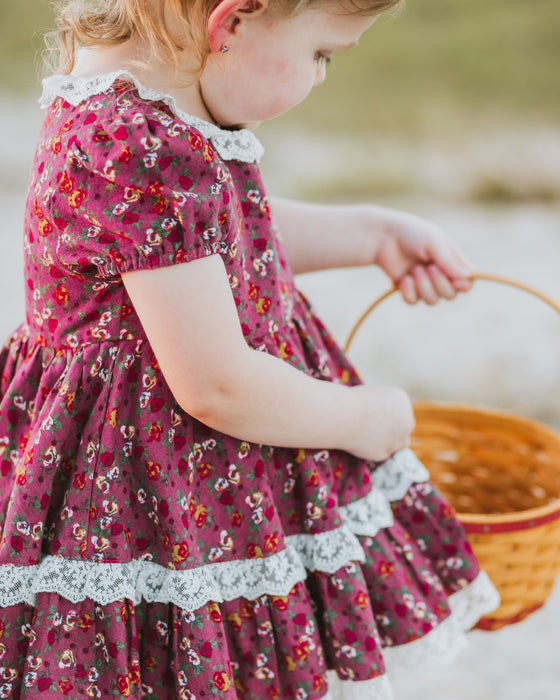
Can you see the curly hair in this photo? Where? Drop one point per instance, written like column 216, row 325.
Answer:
column 109, row 23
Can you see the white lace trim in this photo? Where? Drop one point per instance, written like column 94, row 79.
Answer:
column 374, row 689
column 441, row 645
column 249, row 578
column 241, row 145
column 444, row 642
column 189, row 589
column 395, row 476
column 368, row 515
column 327, row 551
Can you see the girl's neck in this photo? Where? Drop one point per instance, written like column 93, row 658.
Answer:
column 153, row 74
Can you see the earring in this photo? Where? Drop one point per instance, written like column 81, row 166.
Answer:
column 224, row 48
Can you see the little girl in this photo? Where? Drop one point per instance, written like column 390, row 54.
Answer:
column 198, row 497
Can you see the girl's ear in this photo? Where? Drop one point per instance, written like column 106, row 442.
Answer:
column 225, row 18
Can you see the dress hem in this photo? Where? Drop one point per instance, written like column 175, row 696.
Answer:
column 441, row 645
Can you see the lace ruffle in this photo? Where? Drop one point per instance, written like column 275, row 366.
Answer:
column 241, row 145
column 374, row 689
column 441, row 645
column 250, row 578
column 327, row 551
column 368, row 515
column 189, row 589
column 395, row 476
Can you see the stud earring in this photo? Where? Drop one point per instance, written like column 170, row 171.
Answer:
column 224, row 48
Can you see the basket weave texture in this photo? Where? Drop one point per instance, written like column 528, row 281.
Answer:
column 501, row 473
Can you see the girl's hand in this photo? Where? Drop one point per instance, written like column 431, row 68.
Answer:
column 386, row 425
column 421, row 259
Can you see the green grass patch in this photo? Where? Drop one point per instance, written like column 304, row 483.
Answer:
column 23, row 24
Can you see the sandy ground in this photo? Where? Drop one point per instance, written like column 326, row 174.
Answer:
column 495, row 346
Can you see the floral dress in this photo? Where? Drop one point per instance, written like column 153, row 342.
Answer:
column 143, row 554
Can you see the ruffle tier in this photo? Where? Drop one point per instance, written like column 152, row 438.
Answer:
column 266, row 627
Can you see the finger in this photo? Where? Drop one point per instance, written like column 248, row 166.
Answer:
column 408, row 290
column 449, row 258
column 462, row 285
column 423, row 284
column 442, row 285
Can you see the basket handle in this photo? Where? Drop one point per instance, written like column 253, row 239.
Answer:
column 475, row 276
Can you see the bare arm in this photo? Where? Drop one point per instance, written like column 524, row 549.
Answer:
column 190, row 318
column 415, row 253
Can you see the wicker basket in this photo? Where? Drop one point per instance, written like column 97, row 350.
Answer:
column 501, row 473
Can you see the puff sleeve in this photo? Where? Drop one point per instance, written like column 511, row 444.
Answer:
column 141, row 189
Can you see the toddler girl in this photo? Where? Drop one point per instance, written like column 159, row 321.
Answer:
column 198, row 497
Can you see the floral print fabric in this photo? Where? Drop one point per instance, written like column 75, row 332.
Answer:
column 98, row 464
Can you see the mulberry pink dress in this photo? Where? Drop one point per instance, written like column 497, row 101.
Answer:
column 143, row 554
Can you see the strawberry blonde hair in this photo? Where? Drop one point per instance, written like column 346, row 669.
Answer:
column 109, row 23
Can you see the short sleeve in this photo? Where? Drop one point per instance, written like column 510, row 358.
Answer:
column 140, row 189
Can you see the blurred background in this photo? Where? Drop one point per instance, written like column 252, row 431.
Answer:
column 450, row 110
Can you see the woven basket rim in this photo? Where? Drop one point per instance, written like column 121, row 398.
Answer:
column 551, row 432
column 521, row 517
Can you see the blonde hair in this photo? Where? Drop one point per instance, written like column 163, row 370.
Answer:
column 108, row 23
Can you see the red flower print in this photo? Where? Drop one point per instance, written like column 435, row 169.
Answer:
column 237, row 518
column 44, row 684
column 234, row 621
column 65, row 686
column 185, row 182
column 222, row 681
column 123, row 684
column 142, row 543
column 362, row 600
column 208, row 153
column 195, row 141
column 206, row 649
column 45, row 227
column 65, row 183
column 200, row 515
column 204, row 470
column 254, row 551
column 125, row 155
column 263, row 305
column 79, row 481
column 386, row 568
column 61, row 295
column 318, row 682
column 301, row 650
column 350, row 637
column 76, row 198
column 285, row 350
column 313, row 479
column 271, row 542
column 246, row 609
column 121, row 133
column 101, row 136
column 155, row 432
column 153, row 469
column 85, row 621
column 280, row 602
column 214, row 612
column 180, row 552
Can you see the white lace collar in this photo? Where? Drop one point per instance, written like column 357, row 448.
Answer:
column 241, row 144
